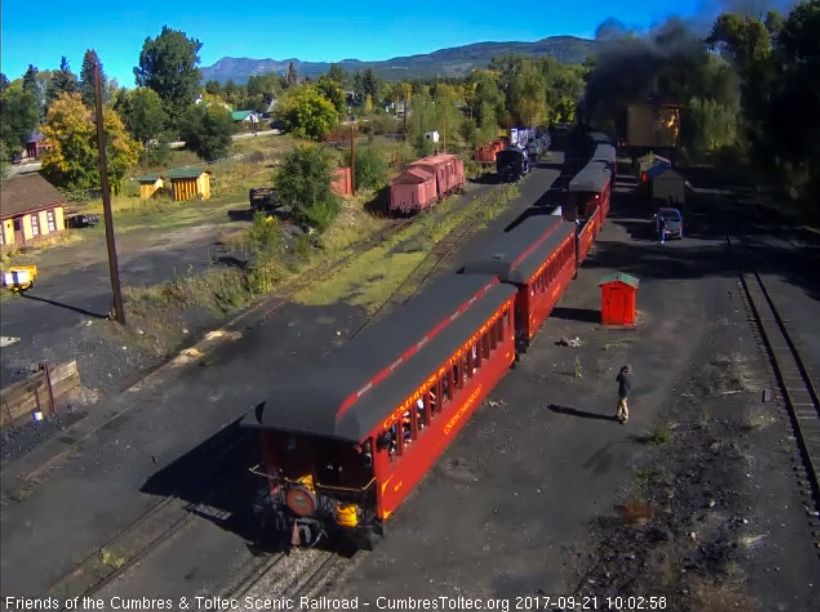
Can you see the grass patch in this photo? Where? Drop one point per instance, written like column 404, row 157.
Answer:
column 618, row 344
column 14, row 255
column 727, row 374
column 353, row 224
column 660, row 435
column 111, row 559
column 372, row 278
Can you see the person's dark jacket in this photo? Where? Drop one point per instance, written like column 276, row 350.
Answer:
column 624, row 384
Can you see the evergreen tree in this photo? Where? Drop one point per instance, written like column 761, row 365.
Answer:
column 87, row 78
column 63, row 81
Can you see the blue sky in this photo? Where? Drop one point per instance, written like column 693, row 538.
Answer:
column 361, row 30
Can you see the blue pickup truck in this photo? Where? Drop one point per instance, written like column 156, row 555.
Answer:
column 674, row 221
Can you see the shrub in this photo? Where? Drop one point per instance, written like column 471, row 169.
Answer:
column 371, row 168
column 303, row 184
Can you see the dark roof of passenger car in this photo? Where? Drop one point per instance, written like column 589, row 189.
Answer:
column 592, row 179
column 376, row 371
column 604, row 152
column 517, row 255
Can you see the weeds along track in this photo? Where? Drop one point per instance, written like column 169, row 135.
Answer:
column 796, row 387
column 160, row 525
column 441, row 252
column 324, row 270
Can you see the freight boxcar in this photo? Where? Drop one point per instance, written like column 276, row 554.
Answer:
column 448, row 170
column 538, row 257
column 413, row 191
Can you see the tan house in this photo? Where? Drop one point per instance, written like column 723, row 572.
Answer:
column 31, row 209
column 150, row 184
column 190, row 183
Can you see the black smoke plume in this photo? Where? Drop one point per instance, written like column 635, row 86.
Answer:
column 631, row 66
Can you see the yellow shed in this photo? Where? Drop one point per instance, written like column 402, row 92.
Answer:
column 31, row 209
column 149, row 184
column 190, row 183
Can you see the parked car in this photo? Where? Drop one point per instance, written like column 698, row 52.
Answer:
column 674, row 221
column 78, row 221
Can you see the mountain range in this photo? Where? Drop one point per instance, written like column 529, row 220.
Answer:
column 456, row 61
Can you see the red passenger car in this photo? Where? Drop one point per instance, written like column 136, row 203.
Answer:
column 588, row 200
column 346, row 443
column 538, row 257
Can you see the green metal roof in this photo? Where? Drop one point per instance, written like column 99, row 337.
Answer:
column 626, row 279
column 240, row 115
column 185, row 173
column 149, row 178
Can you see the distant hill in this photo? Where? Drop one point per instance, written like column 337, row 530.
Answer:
column 457, row 61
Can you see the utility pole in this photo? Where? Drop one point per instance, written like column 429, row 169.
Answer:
column 444, row 144
column 119, row 311
column 353, row 159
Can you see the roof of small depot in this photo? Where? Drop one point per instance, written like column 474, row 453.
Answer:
column 184, row 173
column 27, row 193
column 242, row 115
column 620, row 277
column 149, row 178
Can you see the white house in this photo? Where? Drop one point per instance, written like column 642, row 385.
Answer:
column 432, row 136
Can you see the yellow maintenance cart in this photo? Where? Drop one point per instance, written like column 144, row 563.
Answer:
column 20, row 278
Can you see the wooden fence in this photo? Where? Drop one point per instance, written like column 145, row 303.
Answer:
column 37, row 393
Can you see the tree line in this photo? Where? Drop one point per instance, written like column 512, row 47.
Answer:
column 749, row 91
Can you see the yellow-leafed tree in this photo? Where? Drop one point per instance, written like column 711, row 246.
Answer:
column 72, row 161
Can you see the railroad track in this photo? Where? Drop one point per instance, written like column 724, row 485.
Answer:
column 300, row 576
column 157, row 527
column 411, row 285
column 796, row 386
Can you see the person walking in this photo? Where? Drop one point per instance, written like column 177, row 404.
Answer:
column 661, row 230
column 624, row 380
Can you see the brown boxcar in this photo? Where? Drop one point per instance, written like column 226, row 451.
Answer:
column 448, row 170
column 538, row 257
column 348, row 441
column 413, row 191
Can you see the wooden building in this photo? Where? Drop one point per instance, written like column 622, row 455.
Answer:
column 190, row 183
column 150, row 184
column 35, row 145
column 31, row 209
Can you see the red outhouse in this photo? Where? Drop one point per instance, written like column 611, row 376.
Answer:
column 618, row 299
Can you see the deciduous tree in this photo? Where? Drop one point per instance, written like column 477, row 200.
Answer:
column 72, row 161
column 19, row 115
column 303, row 184
column 168, row 65
column 306, row 112
column 332, row 90
column 207, row 130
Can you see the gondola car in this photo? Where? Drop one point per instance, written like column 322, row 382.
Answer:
column 511, row 164
column 348, row 441
column 538, row 257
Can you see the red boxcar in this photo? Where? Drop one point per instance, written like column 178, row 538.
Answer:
column 348, row 441
column 538, row 257
column 448, row 170
column 413, row 191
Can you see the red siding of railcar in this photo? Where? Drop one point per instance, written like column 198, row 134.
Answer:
column 546, row 286
column 398, row 476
